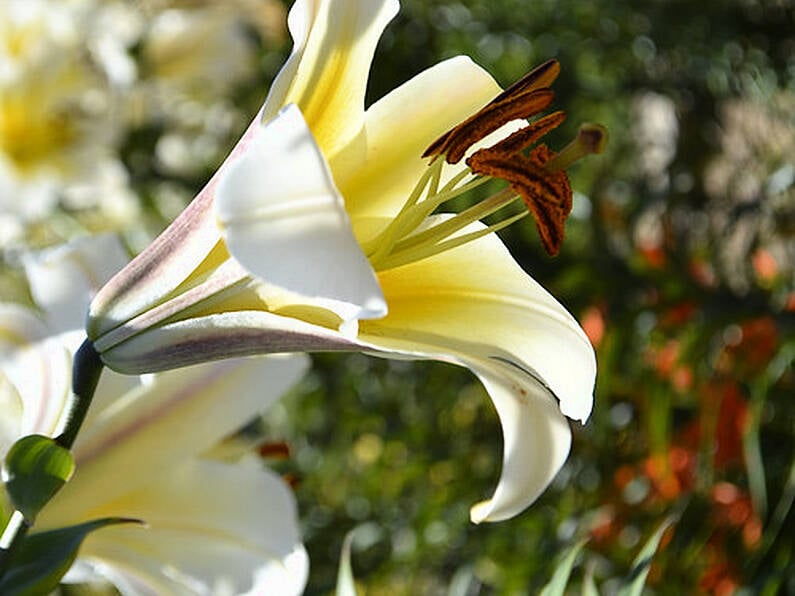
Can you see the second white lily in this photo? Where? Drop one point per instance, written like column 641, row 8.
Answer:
column 212, row 527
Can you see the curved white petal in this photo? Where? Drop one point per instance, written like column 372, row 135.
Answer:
column 175, row 416
column 19, row 327
column 111, row 387
column 64, row 279
column 11, row 419
column 326, row 74
column 212, row 528
column 283, row 219
column 536, row 440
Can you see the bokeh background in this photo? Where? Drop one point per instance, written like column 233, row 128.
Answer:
column 679, row 262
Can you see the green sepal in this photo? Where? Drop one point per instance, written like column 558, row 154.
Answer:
column 35, row 468
column 42, row 559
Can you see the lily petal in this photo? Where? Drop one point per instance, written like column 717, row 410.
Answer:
column 64, row 279
column 168, row 261
column 19, row 327
column 401, row 125
column 477, row 295
column 37, row 370
column 11, row 421
column 219, row 336
column 536, row 439
column 176, row 416
column 211, row 528
column 283, row 220
column 326, row 74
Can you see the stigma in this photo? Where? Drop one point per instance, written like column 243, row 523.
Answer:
column 535, row 175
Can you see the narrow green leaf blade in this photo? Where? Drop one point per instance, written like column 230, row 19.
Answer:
column 35, row 468
column 43, row 558
column 589, row 583
column 346, row 585
column 642, row 563
column 557, row 585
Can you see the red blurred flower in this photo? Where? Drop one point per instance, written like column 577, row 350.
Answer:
column 718, row 579
column 593, row 323
column 671, row 473
column 758, row 344
column 731, row 427
column 765, row 265
column 733, row 509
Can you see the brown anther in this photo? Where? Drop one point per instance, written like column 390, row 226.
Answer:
column 540, row 77
column 274, row 450
column 546, row 194
column 525, row 98
column 524, row 137
column 455, row 143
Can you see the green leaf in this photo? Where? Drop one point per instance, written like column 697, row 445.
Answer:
column 588, row 583
column 35, row 468
column 560, row 578
column 42, row 559
column 640, row 566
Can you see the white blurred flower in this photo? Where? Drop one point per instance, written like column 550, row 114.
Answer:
column 58, row 130
column 78, row 79
column 656, row 131
column 212, row 527
column 199, row 51
column 194, row 58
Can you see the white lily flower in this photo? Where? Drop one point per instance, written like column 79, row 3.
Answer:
column 212, row 527
column 58, row 131
column 318, row 233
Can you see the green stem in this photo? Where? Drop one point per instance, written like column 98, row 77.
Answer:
column 86, row 370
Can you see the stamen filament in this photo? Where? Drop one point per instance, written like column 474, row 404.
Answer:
column 591, row 138
column 534, row 172
column 441, row 231
column 413, row 213
column 435, row 177
column 424, row 251
column 384, row 241
column 419, row 212
column 455, row 180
